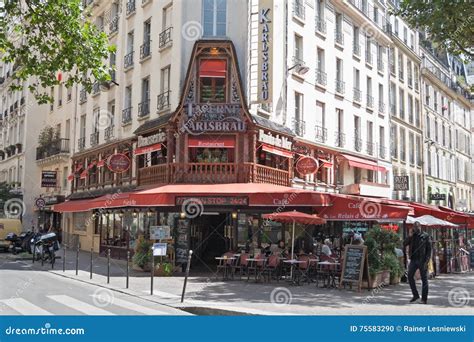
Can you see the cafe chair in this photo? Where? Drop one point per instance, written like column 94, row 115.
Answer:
column 225, row 266
column 272, row 267
column 241, row 265
column 256, row 267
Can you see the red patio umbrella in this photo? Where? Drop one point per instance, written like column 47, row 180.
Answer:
column 295, row 217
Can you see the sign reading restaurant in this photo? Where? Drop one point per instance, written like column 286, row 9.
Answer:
column 265, row 48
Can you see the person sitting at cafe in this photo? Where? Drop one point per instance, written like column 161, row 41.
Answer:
column 280, row 249
column 326, row 248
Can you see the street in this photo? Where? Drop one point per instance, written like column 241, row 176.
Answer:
column 32, row 289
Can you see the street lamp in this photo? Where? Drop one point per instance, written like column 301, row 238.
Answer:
column 300, row 69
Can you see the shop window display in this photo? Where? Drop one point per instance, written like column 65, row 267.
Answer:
column 211, row 155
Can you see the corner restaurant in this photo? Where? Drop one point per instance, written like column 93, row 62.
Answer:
column 208, row 171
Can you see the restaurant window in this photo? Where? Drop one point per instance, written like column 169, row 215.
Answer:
column 214, row 17
column 212, row 76
column 212, row 149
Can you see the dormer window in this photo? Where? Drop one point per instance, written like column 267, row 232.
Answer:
column 212, row 78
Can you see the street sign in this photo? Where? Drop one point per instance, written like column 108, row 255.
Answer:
column 40, row 203
column 401, row 183
column 159, row 249
column 48, row 179
column 160, row 232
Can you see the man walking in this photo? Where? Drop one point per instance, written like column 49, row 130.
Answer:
column 420, row 253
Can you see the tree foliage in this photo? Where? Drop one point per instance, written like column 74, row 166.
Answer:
column 43, row 38
column 449, row 24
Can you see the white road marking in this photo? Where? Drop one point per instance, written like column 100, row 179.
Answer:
column 136, row 307
column 78, row 305
column 162, row 294
column 24, row 307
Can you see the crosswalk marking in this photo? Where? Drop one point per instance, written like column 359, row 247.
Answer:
column 78, row 305
column 136, row 307
column 24, row 307
column 162, row 294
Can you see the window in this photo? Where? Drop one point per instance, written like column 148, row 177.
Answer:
column 167, row 12
column 130, row 39
column 368, row 49
column 298, row 121
column 128, row 97
column 410, row 109
column 69, row 94
column 320, row 61
column 396, row 26
column 393, row 99
column 401, row 99
column 65, row 175
column 435, row 100
column 165, row 79
column 400, row 66
column 212, row 76
column 146, row 89
column 82, row 131
column 427, row 94
column 320, row 9
column 405, row 35
column 60, row 95
column 338, row 32
column 298, row 53
column 214, row 17
column 417, row 114
column 412, row 147
column 403, row 155
column 96, row 118
column 394, row 141
column 409, row 74
column 355, row 40
column 382, row 141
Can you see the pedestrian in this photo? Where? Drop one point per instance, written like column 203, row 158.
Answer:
column 420, row 254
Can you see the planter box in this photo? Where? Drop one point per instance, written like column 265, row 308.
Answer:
column 394, row 280
column 377, row 280
column 386, row 277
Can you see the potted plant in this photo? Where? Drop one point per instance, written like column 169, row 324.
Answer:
column 374, row 262
column 142, row 256
column 391, row 262
column 163, row 268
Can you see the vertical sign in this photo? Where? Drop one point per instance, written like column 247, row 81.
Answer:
column 265, row 50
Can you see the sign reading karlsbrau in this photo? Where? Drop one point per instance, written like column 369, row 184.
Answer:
column 265, row 48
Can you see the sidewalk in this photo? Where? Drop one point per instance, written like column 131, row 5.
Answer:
column 270, row 299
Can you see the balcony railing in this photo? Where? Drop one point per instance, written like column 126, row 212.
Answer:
column 368, row 57
column 299, row 9
column 127, row 115
column 410, row 81
column 131, row 8
column 189, row 173
column 370, row 148
column 400, row 74
column 356, row 49
column 53, row 148
column 338, row 37
column 392, row 68
column 163, row 100
column 340, row 86
column 94, row 138
column 340, row 139
column 165, row 37
column 96, row 88
column 381, row 107
column 145, row 49
column 321, row 134
column 321, row 78
column 114, row 24
column 370, row 101
column 357, row 144
column 320, row 25
column 109, row 133
column 300, row 127
column 380, row 65
column 144, row 108
column 368, row 10
column 298, row 61
column 382, row 152
column 357, row 95
column 393, row 110
column 128, row 60
column 82, row 96
column 81, row 143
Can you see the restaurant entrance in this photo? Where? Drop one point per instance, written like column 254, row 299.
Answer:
column 210, row 237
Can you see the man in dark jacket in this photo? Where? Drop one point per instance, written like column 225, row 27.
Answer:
column 420, row 253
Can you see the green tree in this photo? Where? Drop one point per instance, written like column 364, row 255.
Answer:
column 449, row 24
column 43, row 38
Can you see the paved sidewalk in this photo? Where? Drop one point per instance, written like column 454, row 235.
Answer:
column 449, row 294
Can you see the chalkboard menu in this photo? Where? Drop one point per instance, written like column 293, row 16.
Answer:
column 182, row 241
column 355, row 265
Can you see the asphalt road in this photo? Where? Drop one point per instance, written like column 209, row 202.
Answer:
column 24, row 291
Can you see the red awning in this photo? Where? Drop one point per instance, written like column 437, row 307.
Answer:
column 277, row 151
column 223, row 141
column 101, row 163
column 325, row 163
column 147, row 149
column 363, row 163
column 294, row 216
column 355, row 208
column 213, row 68
column 84, row 174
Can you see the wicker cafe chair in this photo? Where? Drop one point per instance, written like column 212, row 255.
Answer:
column 241, row 265
column 225, row 266
column 272, row 267
column 256, row 267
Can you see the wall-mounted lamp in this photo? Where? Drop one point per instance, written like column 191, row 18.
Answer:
column 182, row 215
column 300, row 69
column 234, row 215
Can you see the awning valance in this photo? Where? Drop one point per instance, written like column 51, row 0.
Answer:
column 147, row 149
column 213, row 68
column 277, row 151
column 363, row 163
column 222, row 141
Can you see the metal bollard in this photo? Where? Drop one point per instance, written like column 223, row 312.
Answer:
column 77, row 259
column 34, row 251
column 64, row 258
column 90, row 273
column 42, row 255
column 128, row 267
column 187, row 274
column 152, row 272
column 108, row 266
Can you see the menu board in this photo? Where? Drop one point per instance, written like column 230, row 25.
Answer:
column 355, row 265
column 182, row 241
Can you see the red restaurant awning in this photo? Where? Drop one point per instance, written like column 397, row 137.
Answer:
column 325, row 163
column 363, row 163
column 147, row 149
column 223, row 141
column 277, row 151
column 213, row 68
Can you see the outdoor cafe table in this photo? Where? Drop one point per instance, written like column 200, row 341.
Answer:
column 331, row 272
column 293, row 263
column 257, row 273
column 226, row 267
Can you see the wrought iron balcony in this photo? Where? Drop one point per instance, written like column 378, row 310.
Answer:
column 128, row 60
column 96, row 88
column 114, row 24
column 163, row 100
column 144, row 108
column 82, row 96
column 381, row 107
column 81, row 143
column 131, row 7
column 339, row 37
column 370, row 101
column 356, row 49
column 382, row 151
column 321, row 78
column 321, row 134
column 340, row 139
column 127, row 115
column 380, row 65
column 392, row 68
column 300, row 127
column 94, row 138
column 393, row 110
column 320, row 25
column 53, row 148
column 400, row 74
column 357, row 95
column 109, row 133
column 145, row 49
column 357, row 143
column 299, row 9
column 340, row 86
column 165, row 37
column 370, row 148
column 368, row 57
